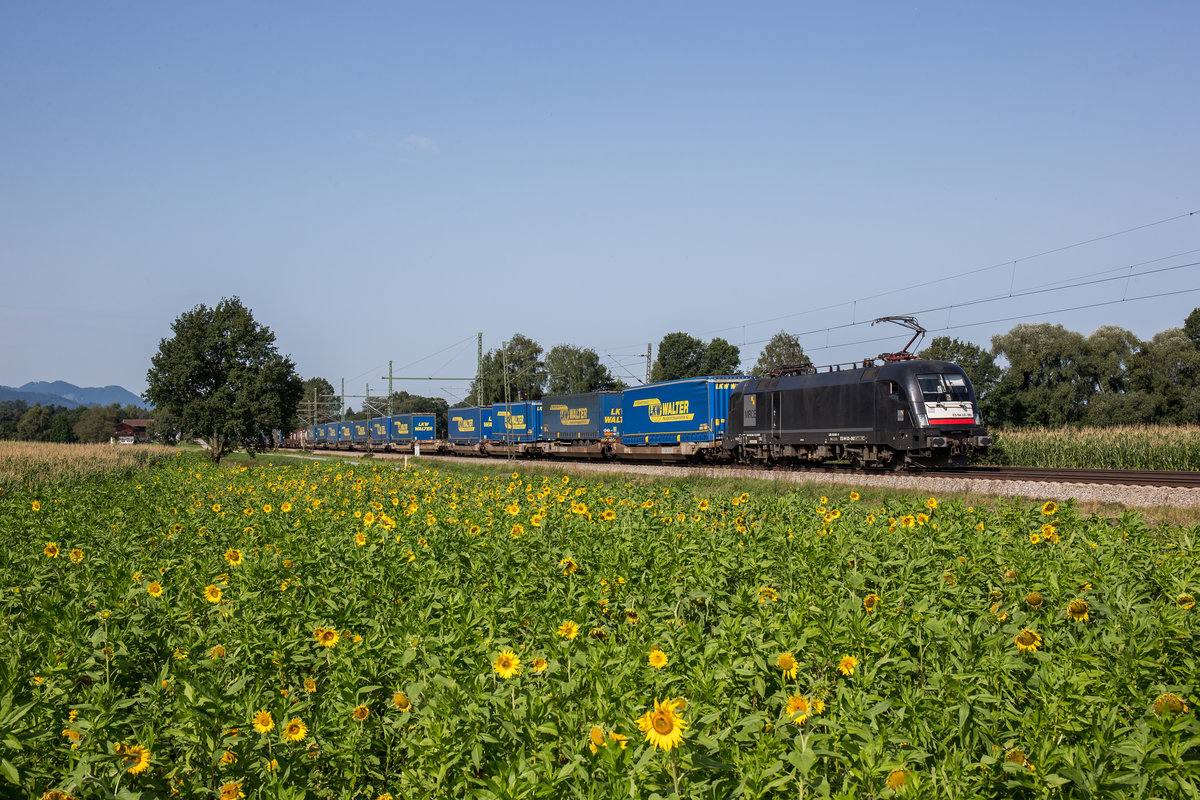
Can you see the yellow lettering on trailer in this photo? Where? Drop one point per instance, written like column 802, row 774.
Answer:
column 660, row 412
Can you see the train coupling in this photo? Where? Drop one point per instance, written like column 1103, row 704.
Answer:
column 969, row 441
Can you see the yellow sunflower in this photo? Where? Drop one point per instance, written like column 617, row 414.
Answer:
column 154, row 589
column 137, row 758
column 1169, row 703
column 767, row 594
column 36, row 505
column 568, row 566
column 361, row 713
column 401, row 702
column 931, row 503
column 1185, row 601
column 870, row 603
column 507, row 664
column 847, row 664
column 295, row 730
column 1028, row 641
column 51, row 549
column 326, row 636
column 263, row 721
column 658, row 659
column 233, row 556
column 285, row 507
column 76, row 555
column 1034, row 599
column 1049, row 508
column 212, row 593
column 662, row 726
column 786, row 663
column 854, row 497
column 568, row 630
column 798, row 708
column 1078, row 611
column 896, row 779
column 540, row 664
column 231, row 791
column 703, row 505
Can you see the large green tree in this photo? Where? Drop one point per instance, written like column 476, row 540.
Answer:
column 222, row 376
column 680, row 355
column 1046, row 381
column 1164, row 379
column 575, row 370
column 720, row 358
column 35, row 424
column 783, row 350
column 514, row 371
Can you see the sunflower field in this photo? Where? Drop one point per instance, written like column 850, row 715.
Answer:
column 353, row 630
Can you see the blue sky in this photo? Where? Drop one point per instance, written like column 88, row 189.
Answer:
column 380, row 181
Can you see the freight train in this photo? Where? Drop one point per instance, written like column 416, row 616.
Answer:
column 903, row 412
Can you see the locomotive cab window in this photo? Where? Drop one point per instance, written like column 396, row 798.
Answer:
column 944, row 388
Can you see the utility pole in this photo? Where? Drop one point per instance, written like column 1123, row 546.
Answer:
column 343, row 412
column 647, row 362
column 389, row 387
column 479, row 372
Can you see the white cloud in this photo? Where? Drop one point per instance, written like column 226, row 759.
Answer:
column 414, row 142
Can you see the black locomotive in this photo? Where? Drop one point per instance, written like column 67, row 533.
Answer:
column 901, row 413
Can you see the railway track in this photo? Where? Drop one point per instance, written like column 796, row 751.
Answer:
column 1102, row 477
column 1110, row 477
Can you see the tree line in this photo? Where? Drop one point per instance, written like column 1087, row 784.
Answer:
column 221, row 377
column 1054, row 377
column 53, row 423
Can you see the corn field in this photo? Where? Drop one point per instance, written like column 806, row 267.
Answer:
column 1124, row 447
column 34, row 464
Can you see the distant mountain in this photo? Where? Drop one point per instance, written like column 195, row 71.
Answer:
column 8, row 394
column 69, row 395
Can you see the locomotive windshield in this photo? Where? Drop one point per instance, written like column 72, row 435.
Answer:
column 944, row 388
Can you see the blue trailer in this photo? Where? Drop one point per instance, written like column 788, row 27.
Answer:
column 379, row 432
column 685, row 410
column 359, row 431
column 344, row 433
column 487, row 424
column 590, row 417
column 465, row 427
column 517, row 422
column 417, row 427
column 424, row 426
column 316, row 435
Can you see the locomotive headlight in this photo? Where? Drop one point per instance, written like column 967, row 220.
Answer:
column 978, row 417
column 922, row 417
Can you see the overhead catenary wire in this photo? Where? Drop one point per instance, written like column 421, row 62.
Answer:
column 852, row 303
column 998, row 320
